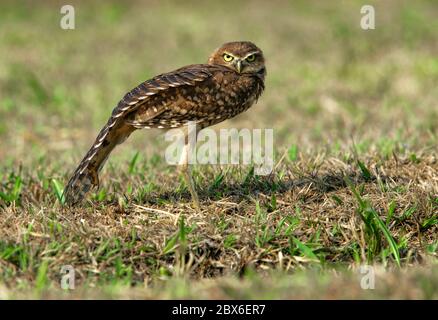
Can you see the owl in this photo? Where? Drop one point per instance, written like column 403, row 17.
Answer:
column 205, row 94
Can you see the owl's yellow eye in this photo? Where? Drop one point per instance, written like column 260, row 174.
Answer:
column 228, row 57
column 250, row 58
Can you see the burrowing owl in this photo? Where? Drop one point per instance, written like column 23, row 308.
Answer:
column 231, row 81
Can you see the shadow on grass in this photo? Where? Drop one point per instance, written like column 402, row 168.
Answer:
column 263, row 185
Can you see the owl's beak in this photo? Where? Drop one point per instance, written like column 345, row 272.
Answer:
column 239, row 65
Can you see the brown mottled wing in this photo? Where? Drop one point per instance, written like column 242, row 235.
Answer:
column 219, row 97
column 119, row 127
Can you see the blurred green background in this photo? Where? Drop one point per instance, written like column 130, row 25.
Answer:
column 329, row 82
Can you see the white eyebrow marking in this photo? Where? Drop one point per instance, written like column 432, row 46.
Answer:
column 251, row 53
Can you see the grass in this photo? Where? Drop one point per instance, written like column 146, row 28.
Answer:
column 355, row 135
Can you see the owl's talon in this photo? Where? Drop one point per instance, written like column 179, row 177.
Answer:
column 191, row 186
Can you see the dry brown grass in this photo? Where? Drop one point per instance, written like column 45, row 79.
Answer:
column 241, row 229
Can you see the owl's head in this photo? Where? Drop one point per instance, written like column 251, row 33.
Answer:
column 242, row 56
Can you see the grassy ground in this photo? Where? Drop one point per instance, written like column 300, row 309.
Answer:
column 354, row 115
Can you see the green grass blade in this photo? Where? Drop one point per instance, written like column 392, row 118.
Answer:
column 305, row 250
column 133, row 162
column 366, row 174
column 59, row 192
column 388, row 236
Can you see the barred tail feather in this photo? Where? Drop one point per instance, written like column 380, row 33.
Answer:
column 86, row 174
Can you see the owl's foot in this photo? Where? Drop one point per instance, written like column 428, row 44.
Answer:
column 186, row 170
column 191, row 186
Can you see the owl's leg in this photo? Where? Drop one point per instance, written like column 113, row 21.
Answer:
column 186, row 170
